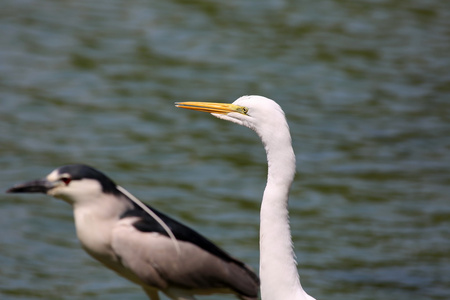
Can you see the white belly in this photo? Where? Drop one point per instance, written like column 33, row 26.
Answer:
column 94, row 234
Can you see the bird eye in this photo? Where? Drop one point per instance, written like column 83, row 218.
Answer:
column 243, row 110
column 66, row 180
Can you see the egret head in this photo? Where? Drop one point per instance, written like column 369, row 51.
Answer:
column 72, row 183
column 259, row 113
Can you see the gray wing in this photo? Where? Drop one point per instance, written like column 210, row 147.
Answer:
column 150, row 258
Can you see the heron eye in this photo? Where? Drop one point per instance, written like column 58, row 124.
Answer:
column 66, row 180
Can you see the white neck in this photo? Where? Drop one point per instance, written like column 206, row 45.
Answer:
column 278, row 267
column 94, row 219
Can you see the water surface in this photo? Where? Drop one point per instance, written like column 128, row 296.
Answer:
column 365, row 86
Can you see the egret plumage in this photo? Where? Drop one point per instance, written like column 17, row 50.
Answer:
column 116, row 229
column 278, row 266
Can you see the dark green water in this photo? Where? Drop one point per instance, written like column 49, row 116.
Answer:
column 366, row 89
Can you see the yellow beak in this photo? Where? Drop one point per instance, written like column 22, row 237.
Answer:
column 216, row 108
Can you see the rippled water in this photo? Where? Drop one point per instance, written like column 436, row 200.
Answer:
column 366, row 89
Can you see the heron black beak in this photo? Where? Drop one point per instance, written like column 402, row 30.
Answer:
column 211, row 107
column 35, row 186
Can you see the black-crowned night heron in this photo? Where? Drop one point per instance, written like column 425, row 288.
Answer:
column 162, row 256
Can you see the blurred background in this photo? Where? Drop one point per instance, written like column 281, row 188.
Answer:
column 366, row 90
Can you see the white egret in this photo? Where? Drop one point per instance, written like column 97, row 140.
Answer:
column 278, row 267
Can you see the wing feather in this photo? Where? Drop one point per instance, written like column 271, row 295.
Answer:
column 144, row 247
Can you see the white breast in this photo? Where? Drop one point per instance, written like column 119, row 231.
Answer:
column 95, row 221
